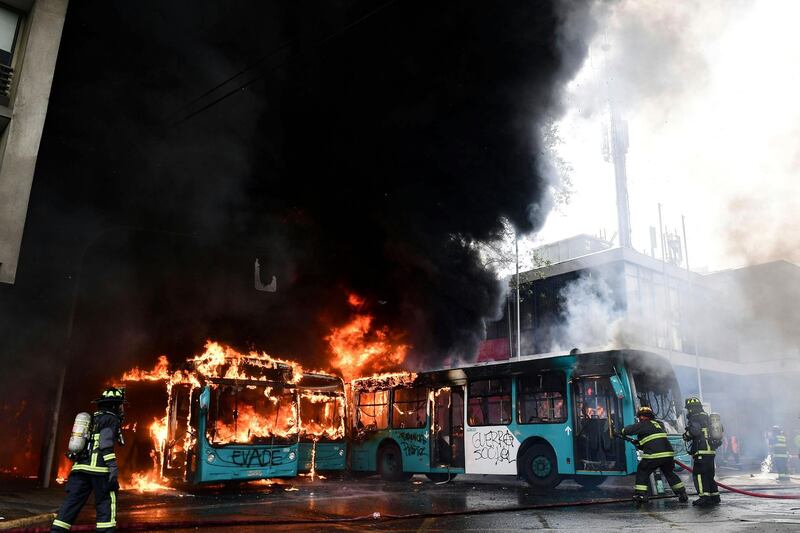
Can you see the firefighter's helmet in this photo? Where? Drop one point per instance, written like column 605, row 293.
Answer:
column 776, row 429
column 693, row 404
column 645, row 412
column 112, row 395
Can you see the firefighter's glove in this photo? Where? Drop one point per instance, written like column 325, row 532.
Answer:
column 113, row 483
column 686, row 436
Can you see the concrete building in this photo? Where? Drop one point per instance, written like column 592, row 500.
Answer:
column 30, row 34
column 735, row 334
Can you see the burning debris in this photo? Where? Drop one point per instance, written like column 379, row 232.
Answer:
column 384, row 381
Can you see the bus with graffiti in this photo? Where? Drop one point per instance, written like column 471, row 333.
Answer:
column 544, row 418
column 240, row 417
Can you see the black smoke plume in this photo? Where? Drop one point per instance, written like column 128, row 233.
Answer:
column 356, row 146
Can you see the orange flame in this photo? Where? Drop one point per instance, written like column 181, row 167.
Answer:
column 359, row 349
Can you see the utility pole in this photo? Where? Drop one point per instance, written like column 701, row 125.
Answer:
column 617, row 150
column 667, row 340
column 519, row 339
column 694, row 311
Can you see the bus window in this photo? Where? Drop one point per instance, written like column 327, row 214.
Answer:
column 410, row 408
column 656, row 392
column 540, row 398
column 251, row 414
column 373, row 410
column 490, row 402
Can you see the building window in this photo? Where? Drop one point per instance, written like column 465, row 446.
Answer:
column 490, row 402
column 10, row 20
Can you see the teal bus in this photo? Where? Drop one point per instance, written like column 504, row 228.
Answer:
column 542, row 418
column 275, row 426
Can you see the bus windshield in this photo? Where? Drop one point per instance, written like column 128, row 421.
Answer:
column 659, row 394
column 251, row 414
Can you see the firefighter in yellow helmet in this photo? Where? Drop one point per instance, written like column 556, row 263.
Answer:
column 703, row 453
column 95, row 468
column 657, row 453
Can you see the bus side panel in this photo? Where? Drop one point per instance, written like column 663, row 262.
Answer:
column 362, row 454
column 490, row 450
column 326, row 456
column 414, row 446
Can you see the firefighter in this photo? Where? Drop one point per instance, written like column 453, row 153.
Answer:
column 95, row 469
column 779, row 452
column 703, row 454
column 797, row 446
column 657, row 453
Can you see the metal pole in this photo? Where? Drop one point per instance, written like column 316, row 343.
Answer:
column 667, row 340
column 51, row 437
column 694, row 311
column 519, row 339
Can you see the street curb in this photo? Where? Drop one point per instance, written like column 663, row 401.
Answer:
column 27, row 521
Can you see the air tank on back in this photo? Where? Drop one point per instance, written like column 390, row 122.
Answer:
column 80, row 434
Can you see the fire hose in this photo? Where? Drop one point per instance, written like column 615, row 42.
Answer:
column 747, row 492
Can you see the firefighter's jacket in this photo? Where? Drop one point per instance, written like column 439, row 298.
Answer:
column 652, row 439
column 99, row 455
column 697, row 435
column 778, row 446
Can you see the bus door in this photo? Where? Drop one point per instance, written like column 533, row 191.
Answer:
column 176, row 454
column 597, row 417
column 447, row 430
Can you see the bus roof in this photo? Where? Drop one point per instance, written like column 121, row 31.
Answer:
column 597, row 362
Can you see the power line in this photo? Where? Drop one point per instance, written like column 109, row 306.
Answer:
column 264, row 73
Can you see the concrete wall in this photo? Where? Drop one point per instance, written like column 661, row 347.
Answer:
column 20, row 143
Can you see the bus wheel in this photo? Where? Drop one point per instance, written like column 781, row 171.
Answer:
column 390, row 463
column 539, row 468
column 590, row 482
column 439, row 477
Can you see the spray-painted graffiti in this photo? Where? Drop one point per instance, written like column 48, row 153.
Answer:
column 413, row 444
column 496, row 446
column 257, row 457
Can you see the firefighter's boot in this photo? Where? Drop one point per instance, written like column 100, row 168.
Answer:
column 715, row 499
column 682, row 496
column 703, row 501
column 639, row 499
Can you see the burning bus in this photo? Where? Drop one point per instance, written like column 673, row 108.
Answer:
column 238, row 417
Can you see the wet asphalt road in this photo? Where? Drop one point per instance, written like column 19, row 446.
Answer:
column 335, row 499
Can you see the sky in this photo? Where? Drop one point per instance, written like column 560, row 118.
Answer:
column 709, row 90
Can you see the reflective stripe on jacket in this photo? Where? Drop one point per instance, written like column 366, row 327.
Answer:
column 652, row 438
column 105, row 426
column 697, row 430
column 779, row 448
